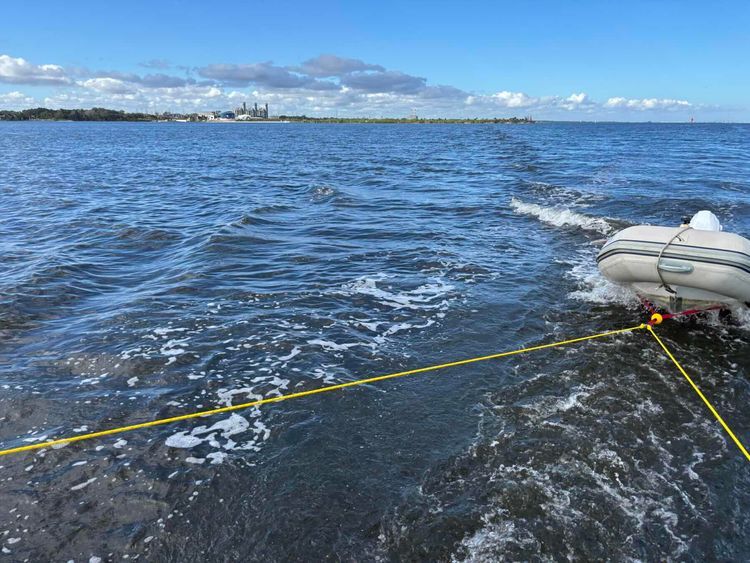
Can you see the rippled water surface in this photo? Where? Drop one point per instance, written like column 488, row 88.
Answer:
column 148, row 270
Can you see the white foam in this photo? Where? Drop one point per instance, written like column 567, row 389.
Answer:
column 484, row 544
column 166, row 330
column 216, row 457
column 82, row 485
column 173, row 348
column 595, row 288
column 742, row 316
column 546, row 406
column 296, row 350
column 559, row 216
column 423, row 297
column 398, row 327
column 322, row 191
column 328, row 345
column 226, row 395
column 182, row 440
column 224, row 429
column 262, row 429
column 36, row 438
column 372, row 326
column 323, row 373
column 133, row 352
column 235, row 424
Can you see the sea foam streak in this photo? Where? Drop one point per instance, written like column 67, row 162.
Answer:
column 561, row 216
column 592, row 286
column 427, row 296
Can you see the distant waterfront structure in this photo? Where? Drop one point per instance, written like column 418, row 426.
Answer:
column 254, row 112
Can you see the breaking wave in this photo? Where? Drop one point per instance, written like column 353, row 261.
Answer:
column 592, row 287
column 559, row 216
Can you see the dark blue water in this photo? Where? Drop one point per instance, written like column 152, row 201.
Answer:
column 153, row 269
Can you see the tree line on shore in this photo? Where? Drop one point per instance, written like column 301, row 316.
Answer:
column 93, row 114
column 104, row 114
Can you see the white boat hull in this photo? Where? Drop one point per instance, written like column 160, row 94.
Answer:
column 701, row 267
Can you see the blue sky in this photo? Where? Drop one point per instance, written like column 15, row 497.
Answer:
column 658, row 60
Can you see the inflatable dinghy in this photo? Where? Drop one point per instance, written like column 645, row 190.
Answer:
column 690, row 266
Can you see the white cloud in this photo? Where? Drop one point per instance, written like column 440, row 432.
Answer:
column 116, row 94
column 577, row 98
column 20, row 71
column 646, row 103
column 578, row 102
column 489, row 105
column 15, row 100
column 325, row 85
column 108, row 85
column 514, row 99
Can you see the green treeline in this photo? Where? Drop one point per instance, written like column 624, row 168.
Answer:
column 93, row 114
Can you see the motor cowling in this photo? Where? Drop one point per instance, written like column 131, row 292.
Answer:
column 705, row 221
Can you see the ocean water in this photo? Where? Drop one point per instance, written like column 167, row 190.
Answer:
column 148, row 270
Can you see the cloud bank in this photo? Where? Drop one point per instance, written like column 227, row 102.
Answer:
column 20, row 71
column 324, row 85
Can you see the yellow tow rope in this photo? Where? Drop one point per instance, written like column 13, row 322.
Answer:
column 280, row 398
column 700, row 394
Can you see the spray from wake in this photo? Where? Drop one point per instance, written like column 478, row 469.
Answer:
column 559, row 216
column 595, row 288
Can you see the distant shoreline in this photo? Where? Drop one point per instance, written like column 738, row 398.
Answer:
column 325, row 122
column 107, row 115
column 381, row 122
column 104, row 114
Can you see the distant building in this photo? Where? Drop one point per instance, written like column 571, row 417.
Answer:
column 227, row 115
column 254, row 112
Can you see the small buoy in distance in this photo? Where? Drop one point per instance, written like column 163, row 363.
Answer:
column 656, row 319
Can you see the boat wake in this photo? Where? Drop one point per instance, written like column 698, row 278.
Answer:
column 559, row 216
column 591, row 286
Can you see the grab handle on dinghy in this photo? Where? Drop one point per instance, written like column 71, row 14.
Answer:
column 676, row 268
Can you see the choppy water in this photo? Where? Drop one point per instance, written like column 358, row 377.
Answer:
column 154, row 269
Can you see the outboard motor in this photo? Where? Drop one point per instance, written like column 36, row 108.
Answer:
column 705, row 221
